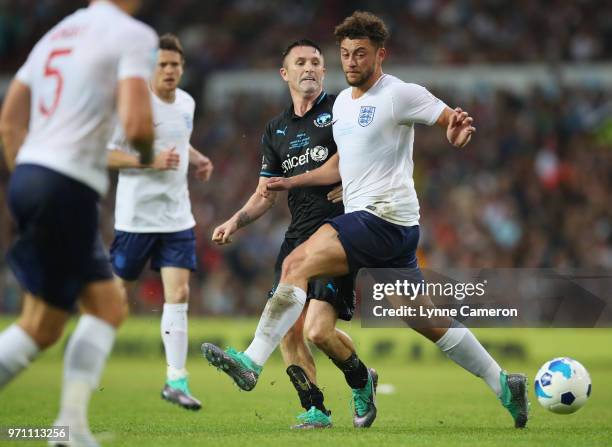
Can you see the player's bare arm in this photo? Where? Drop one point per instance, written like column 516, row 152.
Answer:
column 136, row 116
column 167, row 159
column 458, row 125
column 14, row 120
column 253, row 209
column 328, row 174
column 204, row 167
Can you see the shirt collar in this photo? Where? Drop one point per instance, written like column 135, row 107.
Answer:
column 319, row 100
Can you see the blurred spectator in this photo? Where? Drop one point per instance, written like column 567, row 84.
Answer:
column 234, row 34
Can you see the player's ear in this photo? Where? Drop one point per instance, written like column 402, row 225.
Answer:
column 382, row 54
column 283, row 73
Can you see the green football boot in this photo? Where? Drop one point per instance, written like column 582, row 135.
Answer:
column 364, row 402
column 177, row 392
column 313, row 418
column 514, row 397
column 235, row 364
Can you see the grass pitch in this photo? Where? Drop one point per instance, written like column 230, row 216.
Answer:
column 434, row 402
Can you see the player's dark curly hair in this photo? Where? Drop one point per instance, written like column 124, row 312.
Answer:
column 171, row 43
column 363, row 25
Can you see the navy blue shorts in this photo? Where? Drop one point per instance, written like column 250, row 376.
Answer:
column 59, row 249
column 372, row 242
column 339, row 291
column 131, row 251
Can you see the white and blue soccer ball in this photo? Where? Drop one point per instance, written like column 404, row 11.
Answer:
column 562, row 385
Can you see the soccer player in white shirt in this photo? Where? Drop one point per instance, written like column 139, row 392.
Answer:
column 374, row 130
column 55, row 123
column 153, row 220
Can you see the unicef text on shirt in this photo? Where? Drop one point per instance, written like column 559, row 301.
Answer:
column 318, row 154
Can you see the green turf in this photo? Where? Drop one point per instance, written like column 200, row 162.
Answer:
column 435, row 402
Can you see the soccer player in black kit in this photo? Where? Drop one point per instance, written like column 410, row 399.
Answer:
column 298, row 140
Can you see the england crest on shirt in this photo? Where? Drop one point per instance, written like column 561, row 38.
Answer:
column 366, row 115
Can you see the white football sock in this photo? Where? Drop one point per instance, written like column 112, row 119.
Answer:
column 174, row 336
column 17, row 350
column 460, row 345
column 84, row 360
column 280, row 313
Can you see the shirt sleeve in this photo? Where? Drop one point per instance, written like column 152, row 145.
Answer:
column 24, row 74
column 270, row 162
column 413, row 103
column 138, row 53
column 118, row 142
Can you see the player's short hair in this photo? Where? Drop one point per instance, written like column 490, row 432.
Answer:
column 300, row 43
column 363, row 25
column 171, row 43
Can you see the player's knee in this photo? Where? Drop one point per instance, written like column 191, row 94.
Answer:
column 318, row 335
column 113, row 310
column 178, row 295
column 292, row 265
column 114, row 315
column 44, row 334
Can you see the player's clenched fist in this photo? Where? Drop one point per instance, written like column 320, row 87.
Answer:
column 167, row 159
column 222, row 233
column 204, row 168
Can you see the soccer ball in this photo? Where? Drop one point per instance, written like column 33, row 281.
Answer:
column 562, row 385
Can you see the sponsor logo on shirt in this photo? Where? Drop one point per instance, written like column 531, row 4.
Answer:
column 366, row 115
column 317, row 154
column 323, row 120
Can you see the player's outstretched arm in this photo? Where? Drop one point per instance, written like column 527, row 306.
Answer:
column 136, row 116
column 253, row 209
column 204, row 167
column 14, row 120
column 165, row 160
column 458, row 126
column 328, row 174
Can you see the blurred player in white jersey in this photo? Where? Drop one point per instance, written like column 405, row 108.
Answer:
column 56, row 120
column 374, row 131
column 153, row 220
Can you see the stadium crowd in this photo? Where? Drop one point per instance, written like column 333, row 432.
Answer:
column 238, row 34
column 531, row 190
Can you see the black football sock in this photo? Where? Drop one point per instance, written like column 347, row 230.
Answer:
column 310, row 395
column 355, row 372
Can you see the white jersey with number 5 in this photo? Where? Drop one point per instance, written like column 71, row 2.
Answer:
column 152, row 201
column 73, row 72
column 375, row 135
